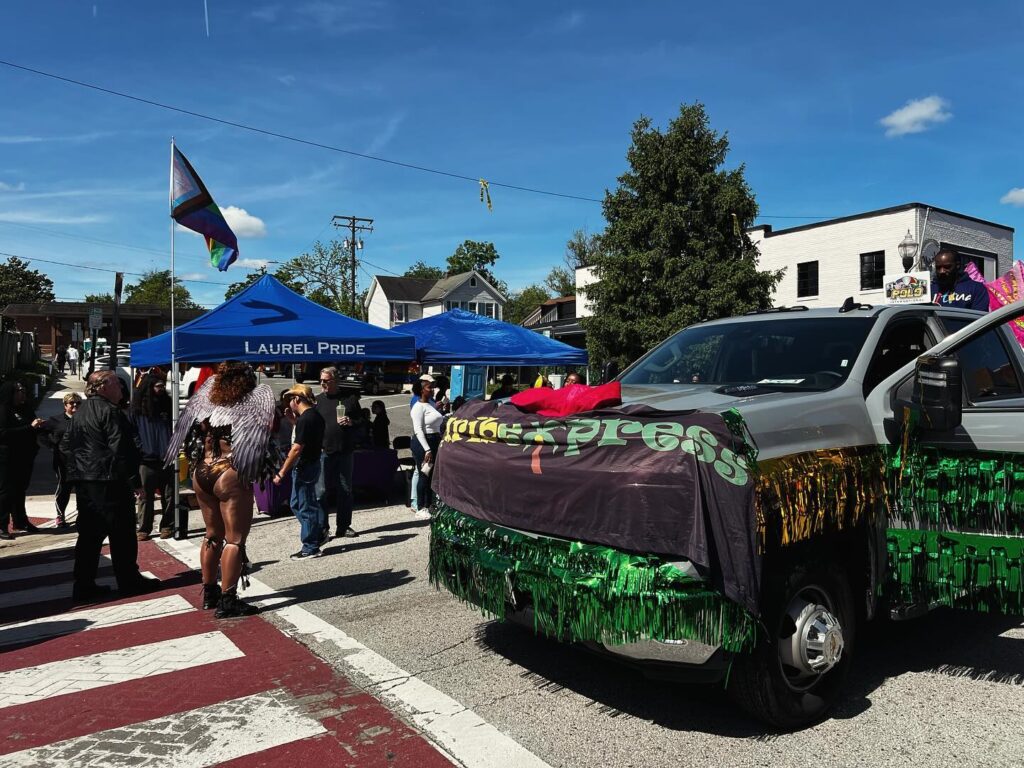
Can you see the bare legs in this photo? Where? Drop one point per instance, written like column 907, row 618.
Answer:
column 227, row 513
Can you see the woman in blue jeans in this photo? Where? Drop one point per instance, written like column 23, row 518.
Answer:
column 426, row 427
column 304, row 462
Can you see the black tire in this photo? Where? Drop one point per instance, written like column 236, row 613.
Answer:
column 784, row 696
column 374, row 388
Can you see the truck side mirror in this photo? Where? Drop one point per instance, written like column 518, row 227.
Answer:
column 938, row 393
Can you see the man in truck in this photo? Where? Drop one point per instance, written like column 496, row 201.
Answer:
column 953, row 287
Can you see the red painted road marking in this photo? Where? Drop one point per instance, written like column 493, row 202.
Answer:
column 360, row 730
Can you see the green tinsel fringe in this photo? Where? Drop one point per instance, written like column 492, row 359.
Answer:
column 961, row 570
column 807, row 494
column 580, row 591
column 950, row 490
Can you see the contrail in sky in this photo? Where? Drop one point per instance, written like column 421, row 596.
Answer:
column 206, row 13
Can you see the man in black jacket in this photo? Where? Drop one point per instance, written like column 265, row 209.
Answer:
column 55, row 428
column 103, row 462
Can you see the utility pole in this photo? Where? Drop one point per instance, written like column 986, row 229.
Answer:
column 115, row 329
column 353, row 224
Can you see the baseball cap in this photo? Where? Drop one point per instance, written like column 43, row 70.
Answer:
column 427, row 377
column 302, row 390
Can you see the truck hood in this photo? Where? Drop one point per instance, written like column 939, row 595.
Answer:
column 781, row 423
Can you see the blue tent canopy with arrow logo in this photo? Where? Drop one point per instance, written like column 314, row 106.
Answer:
column 268, row 322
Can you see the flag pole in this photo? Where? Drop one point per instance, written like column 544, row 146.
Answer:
column 180, row 516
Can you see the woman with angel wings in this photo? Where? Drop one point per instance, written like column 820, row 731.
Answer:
column 226, row 431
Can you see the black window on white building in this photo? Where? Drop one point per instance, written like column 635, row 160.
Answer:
column 807, row 279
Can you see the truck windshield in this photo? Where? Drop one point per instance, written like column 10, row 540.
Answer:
column 785, row 354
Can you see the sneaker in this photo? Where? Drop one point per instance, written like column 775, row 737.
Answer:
column 231, row 607
column 142, row 536
column 325, row 537
column 27, row 528
column 166, row 533
column 348, row 534
column 6, row 536
column 300, row 555
column 211, row 596
column 422, row 514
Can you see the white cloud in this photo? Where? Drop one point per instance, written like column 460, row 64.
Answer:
column 251, row 263
column 78, row 138
column 4, row 187
column 384, row 138
column 267, row 13
column 194, row 276
column 917, row 116
column 243, row 223
column 288, row 80
column 39, row 217
column 1014, row 197
column 568, row 22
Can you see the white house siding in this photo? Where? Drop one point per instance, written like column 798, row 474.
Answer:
column 379, row 311
column 837, row 247
column 584, row 277
column 473, row 293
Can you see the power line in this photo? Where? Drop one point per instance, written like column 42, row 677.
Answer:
column 103, row 269
column 295, row 139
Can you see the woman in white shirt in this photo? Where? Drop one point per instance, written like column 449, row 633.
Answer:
column 426, row 427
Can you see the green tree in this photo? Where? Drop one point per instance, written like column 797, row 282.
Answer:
column 561, row 282
column 424, row 271
column 99, row 298
column 20, row 284
column 581, row 249
column 522, row 303
column 474, row 255
column 236, row 288
column 324, row 276
column 154, row 288
column 675, row 251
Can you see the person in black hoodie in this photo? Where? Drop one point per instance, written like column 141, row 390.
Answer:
column 151, row 416
column 18, row 448
column 55, row 428
column 103, row 462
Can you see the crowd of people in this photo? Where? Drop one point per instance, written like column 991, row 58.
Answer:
column 119, row 457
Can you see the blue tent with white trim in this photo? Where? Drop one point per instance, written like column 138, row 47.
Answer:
column 458, row 337
column 268, row 322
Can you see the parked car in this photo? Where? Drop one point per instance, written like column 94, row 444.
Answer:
column 881, row 450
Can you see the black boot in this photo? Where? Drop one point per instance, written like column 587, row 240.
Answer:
column 211, row 596
column 231, row 607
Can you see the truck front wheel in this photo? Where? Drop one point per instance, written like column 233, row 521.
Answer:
column 796, row 672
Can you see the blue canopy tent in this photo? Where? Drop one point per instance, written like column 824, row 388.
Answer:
column 458, row 337
column 268, row 322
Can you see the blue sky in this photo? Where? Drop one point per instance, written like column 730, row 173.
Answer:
column 832, row 111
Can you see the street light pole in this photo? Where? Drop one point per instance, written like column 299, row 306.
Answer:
column 353, row 224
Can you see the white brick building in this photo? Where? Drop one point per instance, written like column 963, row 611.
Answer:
column 830, row 260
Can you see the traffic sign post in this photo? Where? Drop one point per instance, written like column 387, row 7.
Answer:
column 95, row 318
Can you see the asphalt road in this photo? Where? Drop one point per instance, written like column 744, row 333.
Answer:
column 944, row 690
column 947, row 689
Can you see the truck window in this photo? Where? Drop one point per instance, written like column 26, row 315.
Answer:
column 988, row 371
column 812, row 354
column 903, row 341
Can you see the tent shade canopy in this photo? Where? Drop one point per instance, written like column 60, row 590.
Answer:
column 458, row 337
column 268, row 322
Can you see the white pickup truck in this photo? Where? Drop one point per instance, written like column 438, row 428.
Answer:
column 888, row 480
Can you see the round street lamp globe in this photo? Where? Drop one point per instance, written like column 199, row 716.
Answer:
column 908, row 249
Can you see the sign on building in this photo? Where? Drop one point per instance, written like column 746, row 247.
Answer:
column 910, row 288
column 95, row 318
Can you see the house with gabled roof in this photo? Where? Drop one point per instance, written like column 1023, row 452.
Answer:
column 392, row 301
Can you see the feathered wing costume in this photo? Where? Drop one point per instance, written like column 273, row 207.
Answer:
column 247, row 425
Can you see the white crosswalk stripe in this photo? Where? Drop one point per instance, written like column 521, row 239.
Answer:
column 49, row 592
column 45, row 569
column 31, row 684
column 92, row 618
column 193, row 739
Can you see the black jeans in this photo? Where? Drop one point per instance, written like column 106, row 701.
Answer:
column 15, row 474
column 106, row 510
column 424, row 495
column 155, row 476
column 62, row 493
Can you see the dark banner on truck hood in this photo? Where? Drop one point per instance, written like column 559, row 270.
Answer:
column 633, row 478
